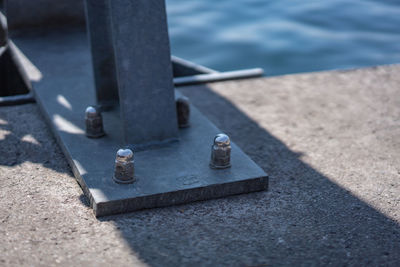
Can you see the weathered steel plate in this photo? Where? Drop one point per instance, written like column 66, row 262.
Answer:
column 175, row 174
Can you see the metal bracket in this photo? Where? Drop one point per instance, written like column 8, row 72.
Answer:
column 166, row 173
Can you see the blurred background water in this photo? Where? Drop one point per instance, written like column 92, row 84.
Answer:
column 285, row 36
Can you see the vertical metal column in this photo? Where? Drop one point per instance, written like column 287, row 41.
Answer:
column 144, row 70
column 100, row 40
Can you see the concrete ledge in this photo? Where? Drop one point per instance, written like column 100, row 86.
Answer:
column 328, row 140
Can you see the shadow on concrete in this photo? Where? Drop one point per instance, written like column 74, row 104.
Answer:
column 28, row 142
column 304, row 218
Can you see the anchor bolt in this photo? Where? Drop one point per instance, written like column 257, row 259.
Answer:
column 221, row 152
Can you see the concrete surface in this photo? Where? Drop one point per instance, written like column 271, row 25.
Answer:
column 329, row 142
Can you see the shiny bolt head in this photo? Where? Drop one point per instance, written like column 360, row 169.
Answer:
column 94, row 122
column 183, row 111
column 124, row 172
column 221, row 152
column 124, row 155
column 91, row 111
column 222, row 140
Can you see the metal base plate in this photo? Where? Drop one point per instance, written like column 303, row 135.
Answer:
column 173, row 174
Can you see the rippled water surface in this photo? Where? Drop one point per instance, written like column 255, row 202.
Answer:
column 285, row 36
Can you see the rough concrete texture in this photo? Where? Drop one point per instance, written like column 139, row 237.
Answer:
column 329, row 142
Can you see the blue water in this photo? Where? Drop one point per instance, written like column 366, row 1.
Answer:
column 285, row 36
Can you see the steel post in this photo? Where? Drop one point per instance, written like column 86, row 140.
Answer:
column 144, row 71
column 100, row 41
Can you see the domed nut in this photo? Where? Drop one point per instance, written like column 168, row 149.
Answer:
column 124, row 172
column 94, row 122
column 183, row 111
column 221, row 152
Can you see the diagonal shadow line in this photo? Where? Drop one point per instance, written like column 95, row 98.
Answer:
column 304, row 218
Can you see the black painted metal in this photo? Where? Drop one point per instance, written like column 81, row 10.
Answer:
column 218, row 76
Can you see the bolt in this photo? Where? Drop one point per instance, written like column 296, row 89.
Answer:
column 94, row 123
column 183, row 111
column 124, row 172
column 221, row 152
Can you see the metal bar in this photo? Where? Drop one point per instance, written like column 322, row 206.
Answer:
column 184, row 67
column 17, row 99
column 144, row 71
column 99, row 32
column 218, row 76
